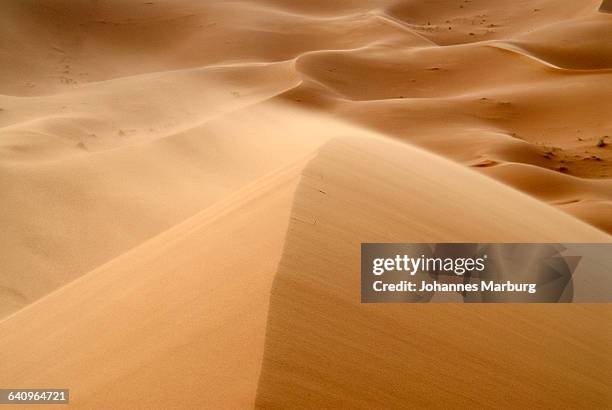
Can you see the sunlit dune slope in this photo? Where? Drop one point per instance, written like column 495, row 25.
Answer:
column 176, row 323
column 64, row 217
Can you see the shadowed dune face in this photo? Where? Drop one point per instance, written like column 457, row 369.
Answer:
column 606, row 6
column 325, row 349
column 579, row 45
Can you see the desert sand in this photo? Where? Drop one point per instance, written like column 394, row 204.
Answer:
column 185, row 185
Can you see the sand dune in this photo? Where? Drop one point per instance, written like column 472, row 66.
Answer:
column 325, row 349
column 184, row 186
column 191, row 304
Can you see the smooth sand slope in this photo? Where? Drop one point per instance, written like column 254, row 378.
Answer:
column 184, row 186
column 67, row 216
column 176, row 323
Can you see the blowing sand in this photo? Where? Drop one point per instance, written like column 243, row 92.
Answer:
column 180, row 179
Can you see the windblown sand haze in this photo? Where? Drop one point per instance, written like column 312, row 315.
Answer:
column 185, row 185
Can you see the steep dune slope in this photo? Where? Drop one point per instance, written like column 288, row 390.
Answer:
column 176, row 323
column 325, row 349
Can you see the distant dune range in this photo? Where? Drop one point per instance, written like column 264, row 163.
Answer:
column 185, row 185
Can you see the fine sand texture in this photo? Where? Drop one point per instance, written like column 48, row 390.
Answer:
column 184, row 187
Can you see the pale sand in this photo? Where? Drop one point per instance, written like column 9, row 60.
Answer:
column 149, row 159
